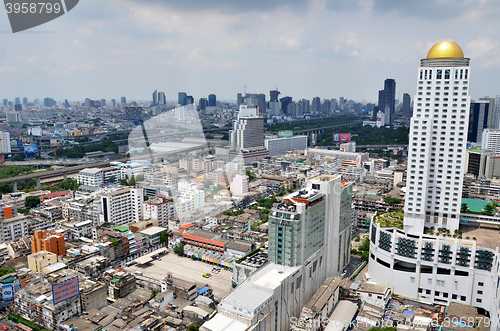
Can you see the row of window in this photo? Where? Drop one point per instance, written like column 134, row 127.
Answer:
column 459, row 73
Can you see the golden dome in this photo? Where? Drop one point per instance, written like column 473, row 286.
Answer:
column 445, row 49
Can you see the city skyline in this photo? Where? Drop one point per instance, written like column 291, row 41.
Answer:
column 131, row 48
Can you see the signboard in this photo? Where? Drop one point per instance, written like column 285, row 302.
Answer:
column 7, row 292
column 341, row 137
column 33, row 149
column 37, row 132
column 19, row 143
column 13, row 143
column 65, row 290
column 285, row 134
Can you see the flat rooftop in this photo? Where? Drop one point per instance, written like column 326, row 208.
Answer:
column 151, row 231
column 487, row 235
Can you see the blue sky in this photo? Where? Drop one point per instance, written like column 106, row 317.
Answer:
column 330, row 48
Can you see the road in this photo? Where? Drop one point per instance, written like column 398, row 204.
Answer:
column 189, row 270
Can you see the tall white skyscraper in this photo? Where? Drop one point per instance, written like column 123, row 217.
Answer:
column 438, row 138
column 5, row 142
column 248, row 129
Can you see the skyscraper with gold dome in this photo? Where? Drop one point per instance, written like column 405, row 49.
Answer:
column 438, row 139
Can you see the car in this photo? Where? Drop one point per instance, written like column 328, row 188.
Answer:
column 209, row 275
column 4, row 327
column 206, row 275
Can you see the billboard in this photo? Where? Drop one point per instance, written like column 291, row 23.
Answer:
column 285, row 134
column 19, row 143
column 7, row 292
column 37, row 132
column 341, row 137
column 33, row 149
column 65, row 290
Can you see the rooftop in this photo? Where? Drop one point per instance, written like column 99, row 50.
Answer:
column 153, row 230
column 390, row 219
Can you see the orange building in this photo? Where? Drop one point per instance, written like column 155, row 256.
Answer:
column 48, row 241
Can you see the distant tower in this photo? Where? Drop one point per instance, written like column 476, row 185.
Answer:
column 316, row 105
column 155, row 97
column 25, row 101
column 406, row 105
column 18, row 101
column 124, row 101
column 274, row 95
column 239, row 99
column 189, row 100
column 212, row 100
column 182, row 98
column 438, row 140
column 389, row 101
column 162, row 100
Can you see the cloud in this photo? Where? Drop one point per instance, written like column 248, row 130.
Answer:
column 486, row 50
column 197, row 57
column 90, row 28
column 7, row 69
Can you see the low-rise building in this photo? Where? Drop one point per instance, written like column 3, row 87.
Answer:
column 48, row 241
column 38, row 261
column 153, row 233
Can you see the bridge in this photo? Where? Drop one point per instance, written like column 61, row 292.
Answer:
column 380, row 146
column 153, row 157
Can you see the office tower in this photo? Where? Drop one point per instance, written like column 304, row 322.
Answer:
column 18, row 101
column 406, row 105
column 316, row 105
column 341, row 103
column 155, row 98
column 5, row 102
column 113, row 103
column 495, row 122
column 239, row 99
column 492, row 113
column 103, row 102
column 316, row 218
column 248, row 129
column 66, row 103
column 25, row 101
column 261, row 103
column 124, row 206
column 437, row 140
column 212, row 100
column 182, row 98
column 304, row 107
column 386, row 102
column 162, row 100
column 292, row 109
column 5, row 142
column 49, row 102
column 202, row 104
column 87, row 102
column 124, row 100
column 37, row 103
column 326, row 107
column 285, row 101
column 491, row 140
column 189, row 100
column 274, row 95
column 478, row 120
column 18, row 107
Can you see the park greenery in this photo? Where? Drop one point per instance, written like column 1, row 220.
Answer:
column 313, row 123
column 78, row 151
column 391, row 219
column 251, row 175
column 366, row 135
column 5, row 271
column 363, row 250
column 392, row 201
column 179, row 249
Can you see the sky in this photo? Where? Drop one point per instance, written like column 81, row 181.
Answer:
column 306, row 48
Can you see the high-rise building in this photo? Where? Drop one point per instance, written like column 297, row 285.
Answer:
column 124, row 206
column 212, row 100
column 189, row 100
column 285, row 101
column 182, row 98
column 478, row 120
column 239, row 99
column 113, row 103
column 406, row 105
column 49, row 102
column 17, row 101
column 274, row 95
column 491, row 140
column 386, row 102
column 202, row 104
column 261, row 103
column 133, row 113
column 48, row 241
column 66, row 103
column 437, row 141
column 155, row 98
column 123, row 100
column 162, row 100
column 159, row 208
column 5, row 102
column 316, row 105
column 25, row 101
column 5, row 142
column 248, row 129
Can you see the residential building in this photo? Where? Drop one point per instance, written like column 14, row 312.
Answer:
column 159, row 208
column 5, row 142
column 38, row 261
column 90, row 177
column 13, row 228
column 123, row 206
column 153, row 233
column 491, row 140
column 48, row 241
column 239, row 185
column 280, row 146
column 434, row 183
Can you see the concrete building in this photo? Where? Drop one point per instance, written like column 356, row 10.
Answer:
column 90, row 177
column 159, row 208
column 239, row 184
column 153, row 233
column 436, row 156
column 248, row 129
column 14, row 228
column 491, row 140
column 123, row 206
column 197, row 198
column 40, row 260
column 48, row 241
column 5, row 142
column 280, row 146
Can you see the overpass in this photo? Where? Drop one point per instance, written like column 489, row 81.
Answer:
column 324, row 128
column 153, row 157
column 380, row 146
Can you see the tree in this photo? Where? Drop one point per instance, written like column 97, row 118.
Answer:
column 154, row 293
column 489, row 209
column 132, row 181
column 251, row 175
column 391, row 200
column 193, row 327
column 164, row 237
column 179, row 249
column 112, row 179
column 123, row 182
column 464, row 208
column 32, row 201
column 146, row 198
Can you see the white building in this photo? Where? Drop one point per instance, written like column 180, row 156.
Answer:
column 159, row 208
column 279, row 146
column 90, row 177
column 197, row 198
column 5, row 142
column 123, row 206
column 14, row 228
column 438, row 137
column 248, row 129
column 491, row 140
column 239, row 184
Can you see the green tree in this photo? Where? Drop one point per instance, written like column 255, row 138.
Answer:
column 391, row 200
column 154, row 293
column 164, row 237
column 123, row 182
column 4, row 271
column 179, row 249
column 146, row 198
column 112, row 179
column 193, row 327
column 32, row 201
column 364, row 256
column 251, row 175
column 464, row 208
column 489, row 209
column 132, row 181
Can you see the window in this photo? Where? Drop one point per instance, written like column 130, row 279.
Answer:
column 454, row 296
column 479, row 292
column 479, row 300
column 427, row 291
column 480, row 284
column 463, row 298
